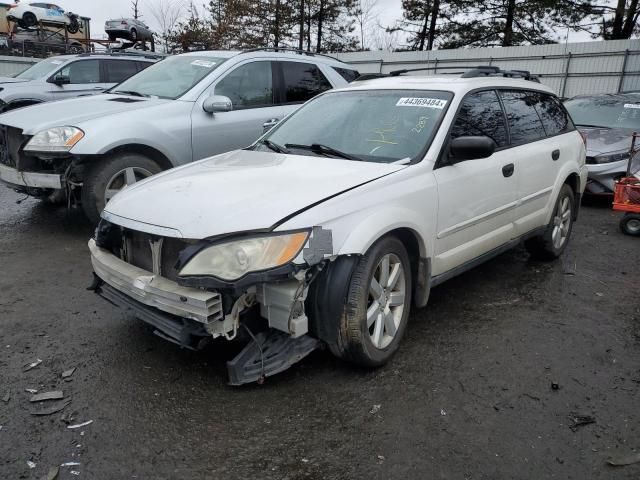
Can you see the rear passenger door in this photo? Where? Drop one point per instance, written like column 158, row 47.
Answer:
column 536, row 122
column 300, row 82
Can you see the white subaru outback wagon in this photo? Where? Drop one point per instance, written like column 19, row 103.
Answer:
column 330, row 227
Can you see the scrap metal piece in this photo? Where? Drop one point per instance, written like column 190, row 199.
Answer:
column 80, row 425
column 68, row 373
column 622, row 460
column 41, row 397
column 31, row 366
column 272, row 352
column 51, row 409
column 320, row 244
column 52, row 474
column 31, row 390
column 580, row 420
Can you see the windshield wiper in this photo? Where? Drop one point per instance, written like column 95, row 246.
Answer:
column 319, row 148
column 274, row 146
column 129, row 92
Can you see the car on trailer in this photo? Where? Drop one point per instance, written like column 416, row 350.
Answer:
column 29, row 15
column 332, row 225
column 130, row 29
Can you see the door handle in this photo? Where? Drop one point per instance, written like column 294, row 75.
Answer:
column 555, row 155
column 269, row 124
column 508, row 169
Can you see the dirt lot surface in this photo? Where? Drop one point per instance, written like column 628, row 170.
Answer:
column 468, row 396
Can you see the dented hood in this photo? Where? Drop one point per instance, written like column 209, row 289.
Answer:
column 237, row 191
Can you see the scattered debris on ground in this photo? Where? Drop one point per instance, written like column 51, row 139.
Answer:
column 375, row 409
column 555, row 386
column 80, row 425
column 7, row 397
column 41, row 397
column 67, row 373
column 31, row 390
column 31, row 464
column 55, row 408
column 580, row 421
column 52, row 474
column 622, row 460
column 31, row 366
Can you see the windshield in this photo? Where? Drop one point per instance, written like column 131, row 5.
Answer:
column 605, row 111
column 170, row 78
column 376, row 126
column 42, row 69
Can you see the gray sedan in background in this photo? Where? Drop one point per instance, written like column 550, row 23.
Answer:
column 607, row 121
column 129, row 29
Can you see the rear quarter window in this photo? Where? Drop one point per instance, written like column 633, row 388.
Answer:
column 524, row 122
column 553, row 115
column 346, row 73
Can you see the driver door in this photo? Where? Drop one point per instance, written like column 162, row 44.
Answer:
column 85, row 79
column 476, row 198
column 251, row 87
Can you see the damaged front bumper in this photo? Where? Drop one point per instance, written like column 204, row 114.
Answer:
column 16, row 178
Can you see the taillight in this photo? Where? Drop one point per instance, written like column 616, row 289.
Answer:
column 124, row 23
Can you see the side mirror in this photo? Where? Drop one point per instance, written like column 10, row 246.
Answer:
column 61, row 80
column 470, row 148
column 217, row 103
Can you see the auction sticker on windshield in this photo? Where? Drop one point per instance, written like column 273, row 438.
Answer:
column 203, row 63
column 422, row 102
column 632, row 105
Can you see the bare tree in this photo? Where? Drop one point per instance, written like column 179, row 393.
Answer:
column 136, row 9
column 386, row 39
column 365, row 13
column 166, row 14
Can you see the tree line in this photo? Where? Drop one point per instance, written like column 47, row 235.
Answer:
column 349, row 25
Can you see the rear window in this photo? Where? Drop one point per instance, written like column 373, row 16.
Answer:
column 302, row 81
column 346, row 73
column 524, row 122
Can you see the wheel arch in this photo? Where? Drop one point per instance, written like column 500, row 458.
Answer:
column 145, row 150
column 573, row 180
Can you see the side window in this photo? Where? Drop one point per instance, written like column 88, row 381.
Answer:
column 524, row 123
column 481, row 115
column 85, row 71
column 119, row 70
column 302, row 81
column 553, row 115
column 250, row 85
column 347, row 74
column 143, row 65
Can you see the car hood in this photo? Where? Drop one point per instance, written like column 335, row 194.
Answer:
column 4, row 80
column 605, row 140
column 74, row 112
column 237, row 191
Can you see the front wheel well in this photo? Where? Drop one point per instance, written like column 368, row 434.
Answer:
column 420, row 268
column 144, row 150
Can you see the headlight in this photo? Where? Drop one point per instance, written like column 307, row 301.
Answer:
column 58, row 139
column 230, row 261
column 611, row 157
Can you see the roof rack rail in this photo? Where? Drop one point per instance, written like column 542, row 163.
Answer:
column 473, row 72
column 151, row 55
column 290, row 50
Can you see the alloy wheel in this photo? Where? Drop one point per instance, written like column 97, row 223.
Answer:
column 385, row 305
column 561, row 223
column 124, row 178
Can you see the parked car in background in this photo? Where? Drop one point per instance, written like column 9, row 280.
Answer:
column 129, row 29
column 69, row 76
column 185, row 108
column 607, row 121
column 28, row 15
column 344, row 215
column 41, row 43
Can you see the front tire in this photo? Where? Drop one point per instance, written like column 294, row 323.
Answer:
column 550, row 244
column 29, row 20
column 104, row 179
column 630, row 224
column 377, row 305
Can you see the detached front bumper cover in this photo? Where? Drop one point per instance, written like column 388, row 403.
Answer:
column 154, row 290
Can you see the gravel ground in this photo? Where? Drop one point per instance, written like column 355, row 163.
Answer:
column 468, row 396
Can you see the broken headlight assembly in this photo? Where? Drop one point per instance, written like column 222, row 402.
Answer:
column 57, row 139
column 611, row 157
column 230, row 261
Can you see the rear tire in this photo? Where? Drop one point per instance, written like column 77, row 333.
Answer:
column 134, row 35
column 550, row 244
column 105, row 178
column 630, row 224
column 377, row 306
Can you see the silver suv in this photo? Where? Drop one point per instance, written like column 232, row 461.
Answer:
column 69, row 76
column 182, row 109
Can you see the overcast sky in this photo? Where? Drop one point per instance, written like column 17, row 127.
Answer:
column 101, row 10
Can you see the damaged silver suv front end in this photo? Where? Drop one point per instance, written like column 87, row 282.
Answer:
column 151, row 276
